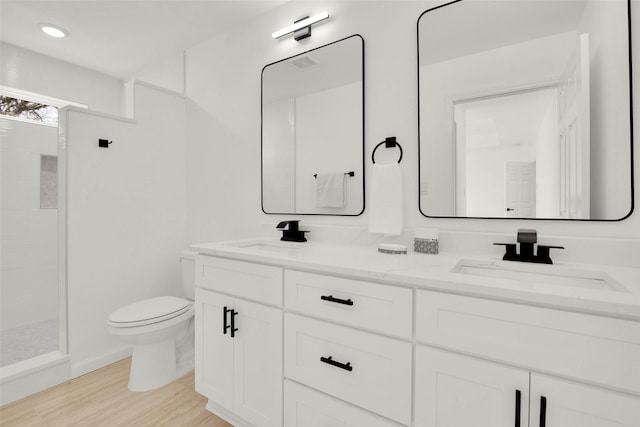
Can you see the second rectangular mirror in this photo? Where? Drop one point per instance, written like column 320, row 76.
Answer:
column 313, row 131
column 525, row 109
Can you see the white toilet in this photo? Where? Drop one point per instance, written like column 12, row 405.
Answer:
column 161, row 332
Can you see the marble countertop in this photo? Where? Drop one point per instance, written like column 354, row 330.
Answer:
column 442, row 273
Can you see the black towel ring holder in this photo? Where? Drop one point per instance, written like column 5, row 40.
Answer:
column 389, row 143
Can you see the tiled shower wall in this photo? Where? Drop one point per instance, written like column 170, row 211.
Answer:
column 28, row 231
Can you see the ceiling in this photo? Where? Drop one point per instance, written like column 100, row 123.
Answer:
column 120, row 37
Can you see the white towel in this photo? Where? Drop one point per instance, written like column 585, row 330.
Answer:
column 387, row 212
column 330, row 190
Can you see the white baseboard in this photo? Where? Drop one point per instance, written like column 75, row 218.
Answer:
column 88, row 365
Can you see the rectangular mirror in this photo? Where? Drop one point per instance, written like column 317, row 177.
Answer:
column 313, row 131
column 525, row 109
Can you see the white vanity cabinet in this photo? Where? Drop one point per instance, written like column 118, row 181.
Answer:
column 467, row 390
column 239, row 342
column 313, row 348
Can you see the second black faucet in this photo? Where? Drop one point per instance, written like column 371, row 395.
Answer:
column 291, row 231
column 527, row 239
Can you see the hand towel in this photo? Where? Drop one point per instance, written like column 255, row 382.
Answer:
column 330, row 190
column 387, row 212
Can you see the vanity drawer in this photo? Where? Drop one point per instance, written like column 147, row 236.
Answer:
column 365, row 369
column 382, row 308
column 262, row 283
column 592, row 348
column 309, row 408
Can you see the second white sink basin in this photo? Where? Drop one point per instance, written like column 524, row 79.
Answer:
column 539, row 274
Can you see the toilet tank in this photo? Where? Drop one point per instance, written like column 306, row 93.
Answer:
column 188, row 263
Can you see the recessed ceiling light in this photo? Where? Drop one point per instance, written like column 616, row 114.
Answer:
column 53, row 30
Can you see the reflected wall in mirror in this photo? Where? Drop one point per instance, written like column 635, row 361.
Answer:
column 313, row 131
column 525, row 109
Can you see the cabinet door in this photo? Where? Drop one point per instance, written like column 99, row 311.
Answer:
column 562, row 403
column 258, row 364
column 452, row 390
column 214, row 350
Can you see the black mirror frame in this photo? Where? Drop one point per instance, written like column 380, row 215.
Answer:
column 363, row 132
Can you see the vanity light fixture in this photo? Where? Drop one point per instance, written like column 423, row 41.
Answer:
column 53, row 30
column 301, row 28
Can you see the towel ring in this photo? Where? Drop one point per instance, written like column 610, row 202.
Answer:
column 389, row 143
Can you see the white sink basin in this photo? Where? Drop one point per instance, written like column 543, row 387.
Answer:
column 269, row 245
column 539, row 274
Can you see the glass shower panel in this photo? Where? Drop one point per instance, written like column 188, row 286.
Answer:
column 29, row 300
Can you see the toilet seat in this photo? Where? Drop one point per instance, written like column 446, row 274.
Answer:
column 149, row 311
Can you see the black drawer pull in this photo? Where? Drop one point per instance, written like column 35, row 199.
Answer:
column 543, row 411
column 338, row 300
column 518, row 399
column 330, row 361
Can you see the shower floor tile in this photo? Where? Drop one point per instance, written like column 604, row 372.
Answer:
column 28, row 341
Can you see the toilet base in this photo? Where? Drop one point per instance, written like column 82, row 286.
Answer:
column 153, row 365
column 157, row 364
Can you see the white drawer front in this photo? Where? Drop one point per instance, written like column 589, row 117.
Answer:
column 380, row 375
column 262, row 283
column 592, row 348
column 304, row 407
column 381, row 308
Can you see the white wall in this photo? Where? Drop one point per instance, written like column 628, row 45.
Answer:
column 33, row 72
column 223, row 141
column 328, row 140
column 279, row 154
column 167, row 73
column 124, row 215
column 28, row 234
column 548, row 165
column 609, row 118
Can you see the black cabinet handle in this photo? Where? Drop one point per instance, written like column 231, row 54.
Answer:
column 518, row 399
column 233, row 323
column 330, row 361
column 337, row 300
column 225, row 326
column 543, row 411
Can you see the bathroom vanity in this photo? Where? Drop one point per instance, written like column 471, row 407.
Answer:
column 318, row 334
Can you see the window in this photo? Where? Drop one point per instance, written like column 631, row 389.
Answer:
column 28, row 110
column 31, row 107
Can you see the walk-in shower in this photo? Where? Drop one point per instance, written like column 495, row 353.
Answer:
column 29, row 291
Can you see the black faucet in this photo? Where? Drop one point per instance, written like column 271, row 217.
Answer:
column 292, row 233
column 527, row 240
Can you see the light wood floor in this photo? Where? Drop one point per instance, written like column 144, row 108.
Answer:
column 101, row 398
